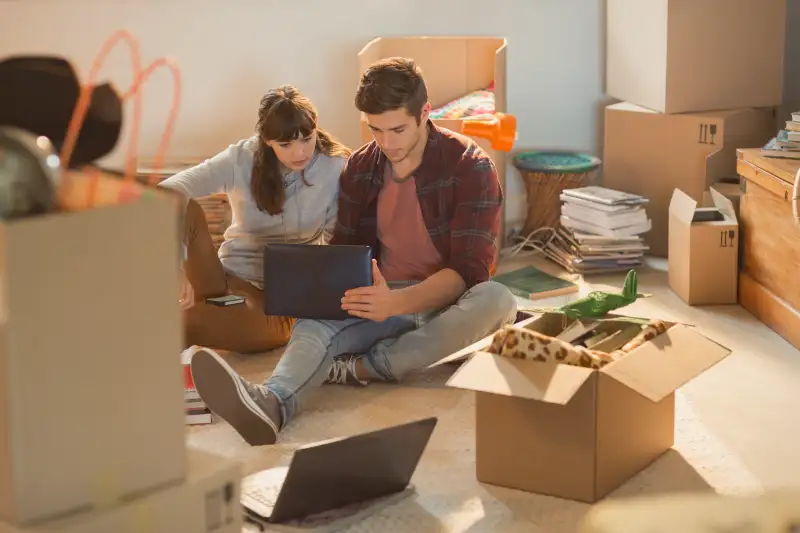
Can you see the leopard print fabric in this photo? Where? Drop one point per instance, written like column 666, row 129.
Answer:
column 519, row 343
column 649, row 332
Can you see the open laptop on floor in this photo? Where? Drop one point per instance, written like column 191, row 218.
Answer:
column 309, row 280
column 337, row 473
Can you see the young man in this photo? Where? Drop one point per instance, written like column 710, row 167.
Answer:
column 429, row 203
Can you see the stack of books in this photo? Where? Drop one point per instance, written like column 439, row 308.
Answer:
column 216, row 206
column 600, row 231
column 786, row 145
column 197, row 412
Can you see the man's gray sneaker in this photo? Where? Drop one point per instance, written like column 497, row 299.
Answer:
column 242, row 404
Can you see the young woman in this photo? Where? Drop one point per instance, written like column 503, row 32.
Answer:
column 282, row 185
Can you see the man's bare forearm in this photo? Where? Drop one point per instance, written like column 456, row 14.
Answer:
column 437, row 291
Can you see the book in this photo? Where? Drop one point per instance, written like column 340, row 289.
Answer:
column 772, row 149
column 534, row 284
column 196, row 411
column 788, row 139
column 604, row 195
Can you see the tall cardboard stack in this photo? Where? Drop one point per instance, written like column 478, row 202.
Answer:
column 92, row 433
column 696, row 80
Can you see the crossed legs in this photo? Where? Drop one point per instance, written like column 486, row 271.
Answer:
column 347, row 351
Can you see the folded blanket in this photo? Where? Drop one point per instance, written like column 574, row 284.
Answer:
column 480, row 102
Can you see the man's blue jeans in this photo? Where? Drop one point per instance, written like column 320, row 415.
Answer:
column 391, row 348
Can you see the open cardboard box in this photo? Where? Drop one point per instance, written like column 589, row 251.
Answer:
column 703, row 256
column 453, row 66
column 574, row 432
column 91, row 397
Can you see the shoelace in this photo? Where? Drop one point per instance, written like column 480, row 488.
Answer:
column 257, row 392
column 338, row 372
column 342, row 369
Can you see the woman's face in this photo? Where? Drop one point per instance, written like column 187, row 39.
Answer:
column 295, row 154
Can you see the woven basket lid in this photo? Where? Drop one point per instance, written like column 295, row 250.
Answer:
column 552, row 162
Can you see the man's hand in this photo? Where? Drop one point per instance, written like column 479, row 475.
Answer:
column 377, row 302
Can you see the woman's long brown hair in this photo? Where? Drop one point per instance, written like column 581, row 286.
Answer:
column 284, row 115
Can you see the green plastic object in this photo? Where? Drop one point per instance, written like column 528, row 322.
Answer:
column 599, row 303
column 556, row 162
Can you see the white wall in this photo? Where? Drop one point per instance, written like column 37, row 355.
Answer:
column 231, row 51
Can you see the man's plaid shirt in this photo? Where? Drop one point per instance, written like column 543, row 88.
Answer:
column 459, row 195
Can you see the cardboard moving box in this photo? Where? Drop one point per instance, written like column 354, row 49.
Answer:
column 207, row 502
column 91, row 399
column 703, row 256
column 652, row 154
column 679, row 56
column 574, row 432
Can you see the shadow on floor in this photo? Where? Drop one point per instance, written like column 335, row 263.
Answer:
column 669, row 474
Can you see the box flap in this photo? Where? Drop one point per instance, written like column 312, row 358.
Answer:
column 659, row 367
column 682, row 206
column 722, row 203
column 532, row 380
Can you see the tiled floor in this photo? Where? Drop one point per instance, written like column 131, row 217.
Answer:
column 737, row 429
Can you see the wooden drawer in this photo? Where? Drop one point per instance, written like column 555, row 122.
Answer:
column 771, row 239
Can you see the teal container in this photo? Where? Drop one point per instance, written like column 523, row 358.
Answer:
column 546, row 174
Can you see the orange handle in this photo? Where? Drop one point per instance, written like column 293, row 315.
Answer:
column 500, row 130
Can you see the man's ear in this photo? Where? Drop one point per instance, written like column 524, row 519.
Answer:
column 426, row 112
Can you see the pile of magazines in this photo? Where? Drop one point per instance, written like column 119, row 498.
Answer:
column 600, row 231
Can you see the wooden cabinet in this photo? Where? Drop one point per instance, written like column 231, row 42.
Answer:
column 769, row 281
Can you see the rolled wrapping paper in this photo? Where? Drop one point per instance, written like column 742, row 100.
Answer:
column 519, row 343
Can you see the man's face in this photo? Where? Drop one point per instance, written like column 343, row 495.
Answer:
column 397, row 133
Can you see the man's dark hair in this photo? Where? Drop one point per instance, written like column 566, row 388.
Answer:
column 392, row 83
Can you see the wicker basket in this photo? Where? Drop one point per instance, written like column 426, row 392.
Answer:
column 216, row 207
column 218, row 215
column 546, row 174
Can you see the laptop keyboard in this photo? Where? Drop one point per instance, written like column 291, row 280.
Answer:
column 266, row 496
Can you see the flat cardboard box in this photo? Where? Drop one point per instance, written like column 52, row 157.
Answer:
column 775, row 511
column 703, row 256
column 681, row 56
column 573, row 432
column 652, row 154
column 208, row 501
column 91, row 396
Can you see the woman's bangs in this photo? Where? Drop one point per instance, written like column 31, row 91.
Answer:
column 290, row 123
